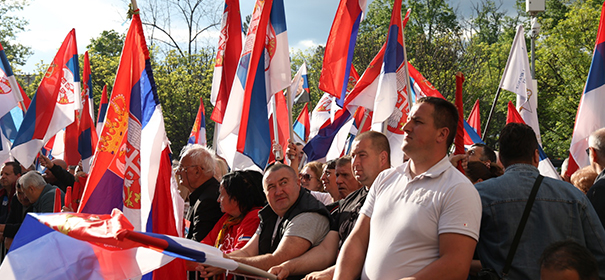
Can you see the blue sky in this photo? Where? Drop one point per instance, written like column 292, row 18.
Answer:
column 309, row 22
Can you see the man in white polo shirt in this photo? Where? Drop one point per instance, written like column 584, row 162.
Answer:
column 421, row 219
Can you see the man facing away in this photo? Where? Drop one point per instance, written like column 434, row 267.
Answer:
column 196, row 173
column 560, row 211
column 370, row 155
column 292, row 223
column 596, row 153
column 421, row 219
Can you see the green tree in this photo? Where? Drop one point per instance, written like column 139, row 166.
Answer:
column 10, row 26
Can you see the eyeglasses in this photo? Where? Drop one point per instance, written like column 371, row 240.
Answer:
column 306, row 177
column 181, row 169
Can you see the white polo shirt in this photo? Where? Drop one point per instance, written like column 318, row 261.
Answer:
column 408, row 215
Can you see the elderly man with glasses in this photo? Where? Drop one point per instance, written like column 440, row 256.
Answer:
column 196, row 173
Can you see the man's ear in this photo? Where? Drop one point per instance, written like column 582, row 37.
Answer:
column 536, row 159
column 442, row 134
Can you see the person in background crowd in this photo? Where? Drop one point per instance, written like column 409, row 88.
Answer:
column 39, row 193
column 221, row 169
column 291, row 224
column 568, row 260
column 20, row 206
column 328, row 180
column 310, row 176
column 560, row 211
column 56, row 173
column 196, row 173
column 344, row 177
column 596, row 154
column 9, row 174
column 478, row 172
column 584, row 178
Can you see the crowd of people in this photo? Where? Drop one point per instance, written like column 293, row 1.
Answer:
column 437, row 216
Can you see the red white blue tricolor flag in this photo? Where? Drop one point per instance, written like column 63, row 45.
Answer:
column 198, row 132
column 263, row 70
column 9, row 88
column 131, row 169
column 227, row 56
column 89, row 246
column 87, row 137
column 102, row 110
column 11, row 115
column 591, row 115
column 54, row 104
column 303, row 124
column 340, row 46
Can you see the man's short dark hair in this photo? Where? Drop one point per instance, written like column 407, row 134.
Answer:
column 380, row 142
column 444, row 115
column 567, row 254
column 488, row 153
column 246, row 187
column 16, row 167
column 518, row 143
column 331, row 164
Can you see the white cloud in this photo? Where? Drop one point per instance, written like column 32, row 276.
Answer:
column 304, row 45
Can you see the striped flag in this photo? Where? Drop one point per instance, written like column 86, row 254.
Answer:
column 54, row 104
column 590, row 116
column 198, row 132
column 263, row 70
column 303, row 123
column 132, row 169
column 102, row 110
column 339, row 47
column 229, row 49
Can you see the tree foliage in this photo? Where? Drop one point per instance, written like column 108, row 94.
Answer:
column 10, row 26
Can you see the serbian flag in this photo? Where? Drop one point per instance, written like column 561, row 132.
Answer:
column 474, row 121
column 300, row 86
column 330, row 124
column 131, row 169
column 303, row 123
column 391, row 81
column 69, row 145
column 102, row 110
column 591, row 115
column 198, row 132
column 11, row 115
column 54, row 104
column 263, row 70
column 320, row 114
column 87, row 138
column 229, row 49
column 10, row 93
column 88, row 246
column 421, row 86
column 339, row 47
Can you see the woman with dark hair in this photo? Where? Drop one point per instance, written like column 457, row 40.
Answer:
column 241, row 197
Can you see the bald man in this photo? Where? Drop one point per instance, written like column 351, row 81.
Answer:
column 56, row 173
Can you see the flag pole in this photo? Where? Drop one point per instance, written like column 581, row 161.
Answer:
column 289, row 100
column 491, row 112
column 134, row 5
column 278, row 153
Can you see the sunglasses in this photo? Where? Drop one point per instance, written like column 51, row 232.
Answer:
column 306, row 177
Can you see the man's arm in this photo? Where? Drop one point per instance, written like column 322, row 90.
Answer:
column 290, row 247
column 353, row 254
column 318, row 258
column 63, row 175
column 454, row 262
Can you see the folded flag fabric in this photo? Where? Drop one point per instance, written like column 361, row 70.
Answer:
column 87, row 246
